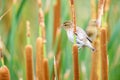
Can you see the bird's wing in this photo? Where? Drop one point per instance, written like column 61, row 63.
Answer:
column 80, row 33
column 83, row 33
column 89, row 39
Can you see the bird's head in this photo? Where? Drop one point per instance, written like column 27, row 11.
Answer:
column 67, row 25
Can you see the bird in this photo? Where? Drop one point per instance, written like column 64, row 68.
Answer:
column 92, row 29
column 82, row 39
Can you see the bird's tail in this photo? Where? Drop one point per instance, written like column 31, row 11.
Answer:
column 90, row 46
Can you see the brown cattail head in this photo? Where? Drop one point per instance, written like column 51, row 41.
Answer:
column 103, row 37
column 4, row 73
column 29, row 66
column 46, row 69
column 28, row 28
column 39, row 59
column 95, row 68
column 104, row 61
column 75, row 62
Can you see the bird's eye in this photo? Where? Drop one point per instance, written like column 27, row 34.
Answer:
column 65, row 24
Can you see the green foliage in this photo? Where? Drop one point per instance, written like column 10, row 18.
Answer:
column 14, row 36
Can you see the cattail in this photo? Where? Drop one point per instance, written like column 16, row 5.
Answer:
column 39, row 59
column 95, row 68
column 104, row 62
column 41, row 24
column 58, row 54
column 4, row 73
column 29, row 67
column 56, row 34
column 75, row 62
column 105, row 24
column 46, row 70
column 40, row 45
column 28, row 51
column 73, row 14
column 100, row 12
column 42, row 32
column 56, row 19
column 57, row 47
column 41, row 21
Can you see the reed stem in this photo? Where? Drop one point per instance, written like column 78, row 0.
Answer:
column 57, row 11
column 73, row 18
column 93, row 9
column 100, row 12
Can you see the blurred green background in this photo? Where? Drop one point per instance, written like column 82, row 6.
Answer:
column 13, row 33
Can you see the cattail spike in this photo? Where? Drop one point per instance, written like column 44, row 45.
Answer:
column 104, row 62
column 39, row 59
column 100, row 12
column 46, row 70
column 29, row 66
column 75, row 62
column 4, row 73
